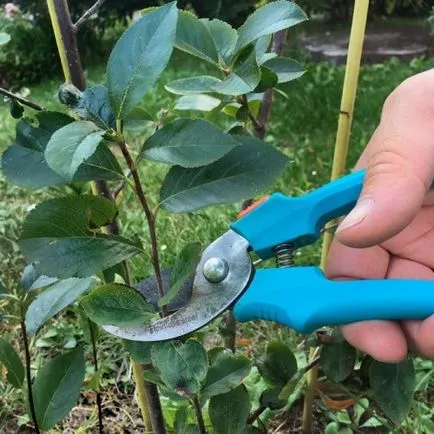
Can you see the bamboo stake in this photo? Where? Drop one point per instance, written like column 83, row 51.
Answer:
column 142, row 398
column 58, row 37
column 355, row 48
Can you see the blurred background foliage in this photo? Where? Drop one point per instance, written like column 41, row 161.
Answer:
column 31, row 54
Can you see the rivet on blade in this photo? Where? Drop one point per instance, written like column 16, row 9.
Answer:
column 215, row 270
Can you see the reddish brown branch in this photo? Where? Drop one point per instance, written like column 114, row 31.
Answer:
column 150, row 217
column 260, row 124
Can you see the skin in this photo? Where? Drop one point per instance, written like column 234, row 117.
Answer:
column 392, row 235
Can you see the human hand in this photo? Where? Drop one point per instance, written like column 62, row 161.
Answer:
column 390, row 233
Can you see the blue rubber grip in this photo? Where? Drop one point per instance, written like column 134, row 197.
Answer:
column 298, row 220
column 303, row 299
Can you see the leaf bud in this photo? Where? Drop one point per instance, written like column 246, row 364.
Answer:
column 69, row 95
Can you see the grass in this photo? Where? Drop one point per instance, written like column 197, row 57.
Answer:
column 303, row 126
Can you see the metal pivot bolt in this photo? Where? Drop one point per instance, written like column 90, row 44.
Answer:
column 215, row 270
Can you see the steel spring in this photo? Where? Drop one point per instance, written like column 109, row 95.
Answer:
column 284, row 255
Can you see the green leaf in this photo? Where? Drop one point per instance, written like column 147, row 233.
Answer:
column 338, row 360
column 139, row 57
column 58, row 236
column 184, row 269
column 203, row 103
column 181, row 420
column 27, row 168
column 188, row 143
column 138, row 120
column 23, row 163
column 28, row 277
column 244, row 77
column 269, row 19
column 70, row 146
column 4, row 38
column 3, row 290
column 53, row 300
column 194, row 37
column 393, row 385
column 286, row 69
column 94, row 106
column 229, row 412
column 262, row 45
column 139, row 351
column 242, row 114
column 12, row 362
column 193, row 85
column 57, row 387
column 244, row 172
column 279, row 364
column 268, row 80
column 332, row 428
column 90, row 330
column 116, row 305
column 16, row 109
column 216, row 352
column 152, row 376
column 31, row 279
column 94, row 382
column 182, row 366
column 35, row 135
column 291, row 385
column 270, row 399
column 254, row 430
column 225, row 38
column 255, row 107
column 232, row 109
column 226, row 373
column 374, row 422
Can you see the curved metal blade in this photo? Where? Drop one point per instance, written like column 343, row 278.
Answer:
column 208, row 300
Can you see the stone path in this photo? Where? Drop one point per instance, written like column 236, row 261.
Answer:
column 380, row 44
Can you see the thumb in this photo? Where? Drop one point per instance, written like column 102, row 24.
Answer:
column 399, row 162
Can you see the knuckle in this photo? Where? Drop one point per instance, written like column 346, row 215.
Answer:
column 413, row 92
column 394, row 164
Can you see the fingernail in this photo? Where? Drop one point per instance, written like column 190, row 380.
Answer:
column 358, row 214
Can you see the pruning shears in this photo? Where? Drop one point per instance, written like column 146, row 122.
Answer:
column 300, row 297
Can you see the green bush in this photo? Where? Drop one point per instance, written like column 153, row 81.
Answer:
column 31, row 54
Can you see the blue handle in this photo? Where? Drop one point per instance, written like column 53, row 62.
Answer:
column 303, row 299
column 282, row 219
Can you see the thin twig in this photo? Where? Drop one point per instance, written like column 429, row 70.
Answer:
column 371, row 412
column 118, row 190
column 199, row 415
column 21, row 100
column 29, row 376
column 311, row 365
column 230, row 331
column 86, row 16
column 267, row 100
column 149, row 217
column 252, row 417
column 309, row 394
column 96, row 368
column 243, row 100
